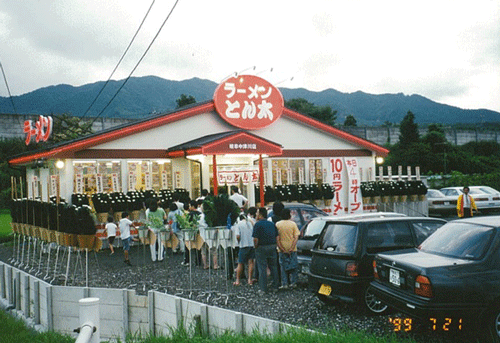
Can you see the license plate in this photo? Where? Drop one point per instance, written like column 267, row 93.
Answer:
column 325, row 289
column 446, row 202
column 394, row 277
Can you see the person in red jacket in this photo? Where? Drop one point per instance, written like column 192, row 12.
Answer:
column 465, row 204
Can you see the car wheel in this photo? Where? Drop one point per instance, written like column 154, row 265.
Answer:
column 373, row 304
column 494, row 324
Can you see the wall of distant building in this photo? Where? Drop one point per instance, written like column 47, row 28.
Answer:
column 11, row 125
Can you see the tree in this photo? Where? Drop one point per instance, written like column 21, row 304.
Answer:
column 350, row 121
column 408, row 131
column 324, row 114
column 185, row 100
column 66, row 127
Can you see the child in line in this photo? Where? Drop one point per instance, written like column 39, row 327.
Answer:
column 110, row 230
column 125, row 225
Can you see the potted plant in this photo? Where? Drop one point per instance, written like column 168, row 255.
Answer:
column 189, row 226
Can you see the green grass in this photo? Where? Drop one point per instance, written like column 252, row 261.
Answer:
column 14, row 330
column 5, row 228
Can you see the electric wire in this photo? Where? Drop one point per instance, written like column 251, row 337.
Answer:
column 8, row 89
column 137, row 65
column 121, row 59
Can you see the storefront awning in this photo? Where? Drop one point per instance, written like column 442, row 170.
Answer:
column 231, row 142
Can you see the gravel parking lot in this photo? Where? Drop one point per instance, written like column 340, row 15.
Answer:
column 295, row 306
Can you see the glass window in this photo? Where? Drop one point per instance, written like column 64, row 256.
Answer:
column 310, row 214
column 389, row 234
column 339, row 238
column 313, row 229
column 424, row 229
column 295, row 217
column 460, row 240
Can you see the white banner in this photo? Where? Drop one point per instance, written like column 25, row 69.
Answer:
column 98, row 183
column 53, row 185
column 338, row 205
column 115, row 183
column 79, row 183
column 132, row 181
column 147, row 180
column 164, row 181
column 354, row 185
column 234, row 176
column 278, row 177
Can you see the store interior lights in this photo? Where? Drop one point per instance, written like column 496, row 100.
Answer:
column 60, row 164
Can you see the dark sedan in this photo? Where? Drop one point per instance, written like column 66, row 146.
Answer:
column 452, row 280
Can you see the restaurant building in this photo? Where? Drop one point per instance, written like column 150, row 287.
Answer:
column 244, row 136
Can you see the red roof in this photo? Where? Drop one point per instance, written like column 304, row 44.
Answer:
column 68, row 149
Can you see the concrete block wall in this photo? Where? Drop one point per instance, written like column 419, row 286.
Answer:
column 46, row 307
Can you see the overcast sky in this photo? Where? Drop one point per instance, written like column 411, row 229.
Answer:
column 448, row 51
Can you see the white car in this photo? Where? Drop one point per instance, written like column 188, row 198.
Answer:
column 439, row 203
column 486, row 198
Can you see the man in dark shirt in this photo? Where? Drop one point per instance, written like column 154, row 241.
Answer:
column 264, row 237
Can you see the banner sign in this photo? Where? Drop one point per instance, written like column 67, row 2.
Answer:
column 248, row 102
column 40, row 130
column 164, row 181
column 147, row 180
column 98, row 183
column 132, row 180
column 79, row 183
column 339, row 199
column 53, row 185
column 354, row 185
column 234, row 176
column 115, row 183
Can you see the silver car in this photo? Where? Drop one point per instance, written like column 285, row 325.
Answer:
column 439, row 203
column 485, row 197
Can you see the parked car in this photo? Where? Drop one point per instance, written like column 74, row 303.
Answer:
column 311, row 231
column 452, row 279
column 439, row 203
column 341, row 265
column 486, row 198
column 301, row 213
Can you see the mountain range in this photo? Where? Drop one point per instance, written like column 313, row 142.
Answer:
column 142, row 96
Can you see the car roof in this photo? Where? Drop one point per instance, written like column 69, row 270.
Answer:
column 357, row 219
column 493, row 221
column 361, row 215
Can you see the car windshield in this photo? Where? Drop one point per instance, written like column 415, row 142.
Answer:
column 432, row 193
column 313, row 229
column 488, row 190
column 339, row 238
column 460, row 240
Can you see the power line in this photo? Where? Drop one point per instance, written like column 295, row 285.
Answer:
column 139, row 62
column 8, row 89
column 121, row 58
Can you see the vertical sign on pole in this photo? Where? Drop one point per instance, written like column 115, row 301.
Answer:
column 79, row 183
column 148, row 180
column 98, row 183
column 338, row 201
column 417, row 173
column 301, row 175
column 115, row 183
column 131, row 180
column 355, row 196
column 381, row 173
column 408, row 171
column 400, row 172
column 278, row 176
column 389, row 172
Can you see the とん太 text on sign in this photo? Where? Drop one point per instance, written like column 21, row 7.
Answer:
column 248, row 102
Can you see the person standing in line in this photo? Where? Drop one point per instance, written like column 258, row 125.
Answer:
column 204, row 194
column 110, row 229
column 175, row 198
column 246, row 255
column 172, row 221
column 265, row 237
column 239, row 199
column 125, row 225
column 155, row 217
column 288, row 234
column 205, row 248
column 465, row 204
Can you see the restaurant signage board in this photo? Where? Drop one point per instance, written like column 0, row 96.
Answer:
column 248, row 102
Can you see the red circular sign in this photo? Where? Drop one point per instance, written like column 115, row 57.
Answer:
column 248, row 102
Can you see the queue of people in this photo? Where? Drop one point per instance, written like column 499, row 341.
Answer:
column 262, row 246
